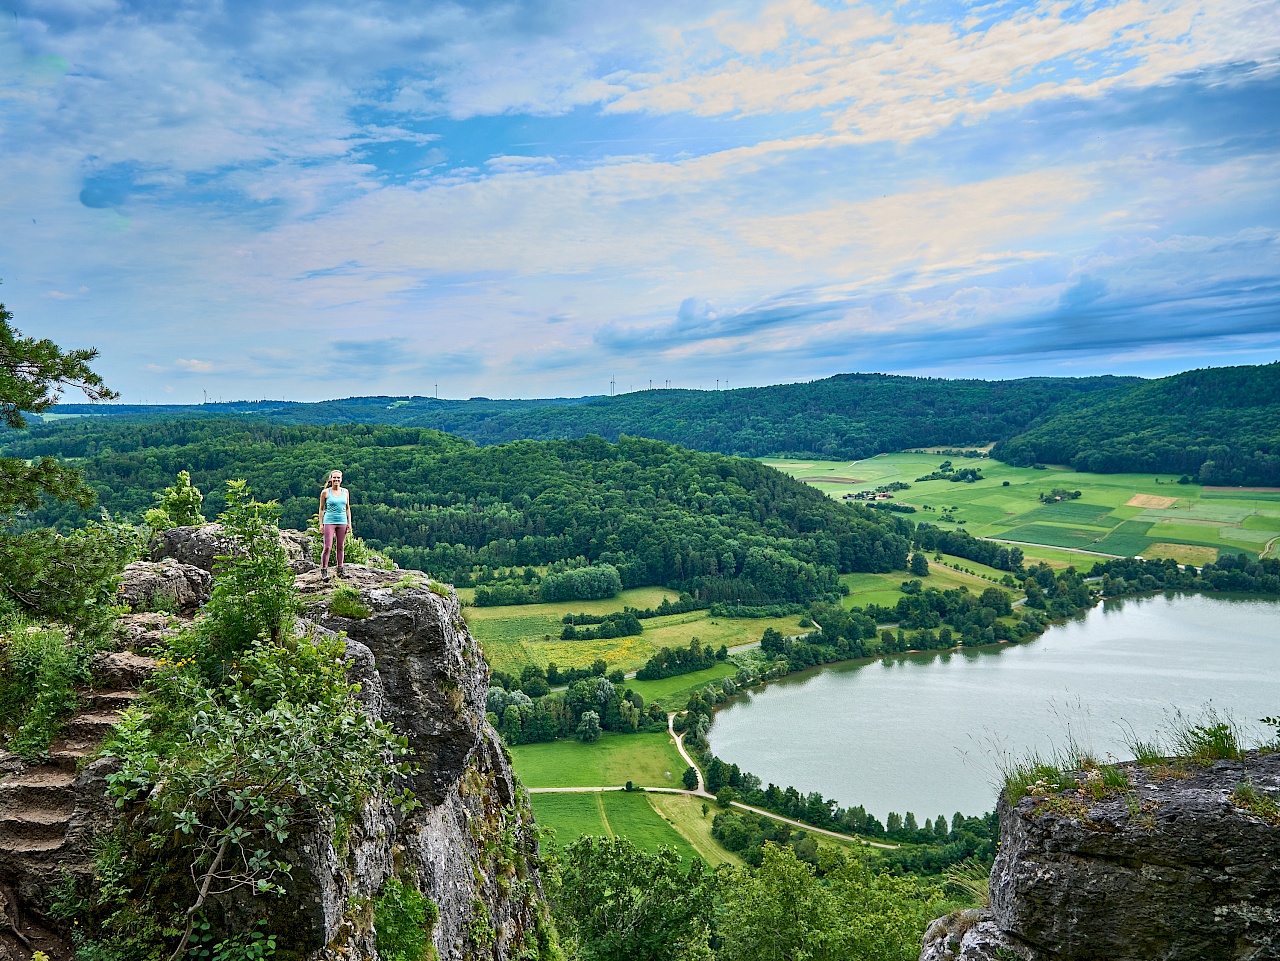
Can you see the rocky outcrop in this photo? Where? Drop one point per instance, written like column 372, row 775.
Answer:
column 199, row 546
column 471, row 847
column 167, row 585
column 1181, row 866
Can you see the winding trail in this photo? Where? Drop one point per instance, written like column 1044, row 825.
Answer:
column 702, row 792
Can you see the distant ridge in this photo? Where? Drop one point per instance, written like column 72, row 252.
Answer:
column 1216, row 425
column 845, row 416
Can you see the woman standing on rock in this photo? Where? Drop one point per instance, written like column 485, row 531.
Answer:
column 335, row 520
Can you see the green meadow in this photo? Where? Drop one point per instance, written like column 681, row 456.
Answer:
column 647, row 760
column 612, row 814
column 1116, row 514
column 512, row 637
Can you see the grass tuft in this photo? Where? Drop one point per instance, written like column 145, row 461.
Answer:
column 346, row 602
column 1215, row 738
column 1248, row 798
column 971, row 880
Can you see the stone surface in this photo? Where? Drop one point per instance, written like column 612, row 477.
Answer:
column 199, row 546
column 1172, row 869
column 420, row 670
column 972, row 936
column 166, row 584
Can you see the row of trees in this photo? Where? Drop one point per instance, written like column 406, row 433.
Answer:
column 669, row 662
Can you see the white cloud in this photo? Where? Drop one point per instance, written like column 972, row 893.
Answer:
column 886, row 79
column 196, row 366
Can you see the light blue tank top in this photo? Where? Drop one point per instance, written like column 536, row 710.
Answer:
column 335, row 508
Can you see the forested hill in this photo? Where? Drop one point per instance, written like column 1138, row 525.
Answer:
column 846, row 416
column 1218, row 425
column 722, row 527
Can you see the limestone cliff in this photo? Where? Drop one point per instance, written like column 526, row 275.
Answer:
column 1180, row 867
column 471, row 847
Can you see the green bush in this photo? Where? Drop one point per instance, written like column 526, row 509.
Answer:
column 232, row 772
column 253, row 593
column 403, row 919
column 40, row 667
column 70, row 578
column 177, row 506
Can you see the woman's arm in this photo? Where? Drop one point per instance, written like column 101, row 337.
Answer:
column 324, row 496
column 348, row 512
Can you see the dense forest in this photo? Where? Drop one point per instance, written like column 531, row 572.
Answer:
column 846, row 416
column 1217, row 426
column 721, row 528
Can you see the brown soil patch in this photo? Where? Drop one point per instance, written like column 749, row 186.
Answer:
column 1150, row 500
column 831, row 480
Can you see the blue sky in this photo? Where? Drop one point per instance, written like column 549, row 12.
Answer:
column 311, row 199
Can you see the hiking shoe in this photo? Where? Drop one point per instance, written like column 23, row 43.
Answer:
column 324, row 573
column 342, row 572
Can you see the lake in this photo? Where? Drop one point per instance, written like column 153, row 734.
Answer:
column 924, row 733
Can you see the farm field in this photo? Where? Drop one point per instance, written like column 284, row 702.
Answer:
column 673, row 692
column 684, row 813
column 648, row 760
column 1116, row 514
column 885, row 589
column 609, row 814
column 514, row 636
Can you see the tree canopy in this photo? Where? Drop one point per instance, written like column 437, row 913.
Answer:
column 1220, row 425
column 33, row 375
column 721, row 528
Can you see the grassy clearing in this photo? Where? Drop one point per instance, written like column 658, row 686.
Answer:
column 649, row 760
column 1183, row 553
column 684, row 813
column 864, row 589
column 1227, row 519
column 609, row 814
column 672, row 692
column 530, row 634
column 885, row 589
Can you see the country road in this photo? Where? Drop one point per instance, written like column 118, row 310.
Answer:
column 703, row 793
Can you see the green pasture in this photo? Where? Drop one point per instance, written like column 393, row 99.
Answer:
column 1060, row 560
column 609, row 814
column 673, row 692
column 512, row 637
column 648, row 760
column 885, row 589
column 685, row 814
column 1113, row 515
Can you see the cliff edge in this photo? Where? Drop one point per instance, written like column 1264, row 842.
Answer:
column 1183, row 864
column 471, row 847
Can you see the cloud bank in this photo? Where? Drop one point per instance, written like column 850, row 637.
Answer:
column 530, row 198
